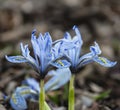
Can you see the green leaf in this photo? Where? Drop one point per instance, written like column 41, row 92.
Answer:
column 102, row 95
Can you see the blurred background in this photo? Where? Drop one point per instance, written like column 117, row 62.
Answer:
column 98, row 20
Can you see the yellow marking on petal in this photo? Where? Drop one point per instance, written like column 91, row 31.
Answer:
column 18, row 59
column 60, row 63
column 103, row 60
column 14, row 99
column 25, row 92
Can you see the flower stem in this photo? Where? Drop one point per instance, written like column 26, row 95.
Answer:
column 42, row 96
column 46, row 106
column 71, row 93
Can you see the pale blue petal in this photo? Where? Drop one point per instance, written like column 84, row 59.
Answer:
column 104, row 61
column 26, row 92
column 17, row 102
column 56, row 52
column 60, row 78
column 35, row 45
column 78, row 34
column 85, row 62
column 95, row 49
column 67, row 36
column 16, row 59
column 48, row 42
column 51, row 73
column 30, row 60
column 24, row 50
column 60, row 64
column 88, row 58
column 31, row 82
column 72, row 53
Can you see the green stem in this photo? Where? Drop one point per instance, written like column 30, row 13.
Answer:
column 46, row 106
column 71, row 93
column 42, row 96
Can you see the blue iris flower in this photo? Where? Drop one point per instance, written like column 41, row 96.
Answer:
column 18, row 102
column 43, row 55
column 20, row 95
column 71, row 48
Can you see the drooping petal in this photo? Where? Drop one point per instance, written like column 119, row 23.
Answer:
column 17, row 102
column 60, row 78
column 60, row 64
column 104, row 61
column 32, row 83
column 26, row 92
column 16, row 59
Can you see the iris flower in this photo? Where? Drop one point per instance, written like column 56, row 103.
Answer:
column 43, row 55
column 71, row 48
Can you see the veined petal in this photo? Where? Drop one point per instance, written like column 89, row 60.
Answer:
column 26, row 92
column 88, row 58
column 60, row 64
column 24, row 50
column 35, row 45
column 17, row 102
column 67, row 36
column 104, row 61
column 95, row 49
column 16, row 59
column 32, row 83
column 31, row 61
column 56, row 52
column 60, row 78
column 48, row 40
column 78, row 34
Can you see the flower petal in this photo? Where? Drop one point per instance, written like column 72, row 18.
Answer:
column 95, row 49
column 17, row 102
column 67, row 36
column 88, row 58
column 60, row 78
column 32, row 83
column 60, row 64
column 26, row 92
column 104, row 61
column 78, row 34
column 16, row 59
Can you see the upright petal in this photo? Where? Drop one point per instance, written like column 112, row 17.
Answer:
column 67, row 36
column 95, row 49
column 78, row 34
